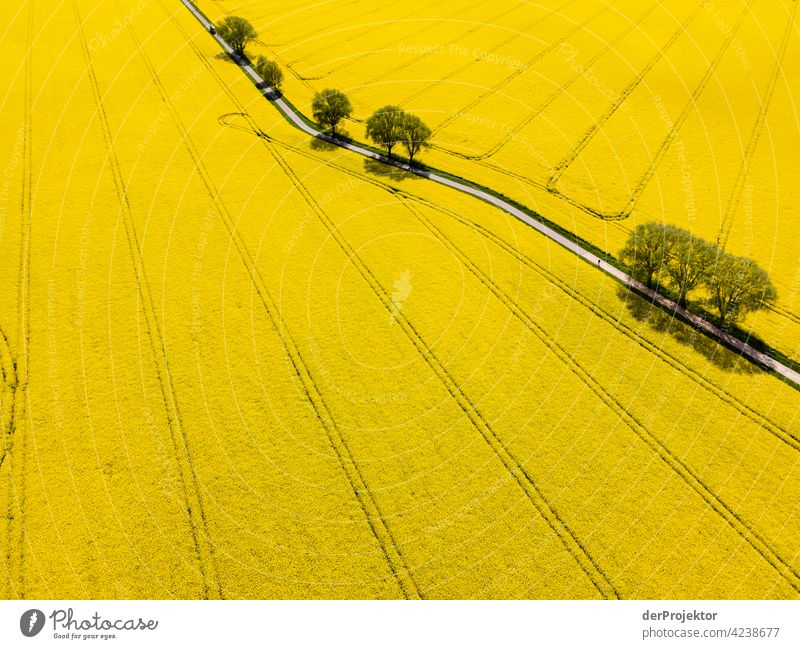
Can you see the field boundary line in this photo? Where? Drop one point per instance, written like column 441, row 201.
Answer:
column 364, row 496
column 203, row 544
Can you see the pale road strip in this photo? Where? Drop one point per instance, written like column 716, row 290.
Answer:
column 288, row 111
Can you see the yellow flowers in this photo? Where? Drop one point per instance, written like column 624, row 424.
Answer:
column 680, row 112
column 259, row 367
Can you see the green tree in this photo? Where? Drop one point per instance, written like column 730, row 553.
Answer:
column 415, row 134
column 237, row 32
column 330, row 107
column 737, row 286
column 384, row 127
column 688, row 262
column 270, row 72
column 647, row 251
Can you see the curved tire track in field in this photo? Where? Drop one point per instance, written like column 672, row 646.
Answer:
column 744, row 171
column 204, row 547
column 368, row 503
column 525, row 180
column 650, row 170
column 562, row 166
column 550, row 185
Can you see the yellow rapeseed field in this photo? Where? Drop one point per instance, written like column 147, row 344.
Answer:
column 239, row 363
column 599, row 115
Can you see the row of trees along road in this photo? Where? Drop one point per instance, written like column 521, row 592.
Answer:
column 387, row 127
column 663, row 256
column 238, row 32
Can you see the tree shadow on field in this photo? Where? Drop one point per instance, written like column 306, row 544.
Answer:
column 662, row 321
column 388, row 171
column 317, row 144
column 224, row 56
column 324, row 144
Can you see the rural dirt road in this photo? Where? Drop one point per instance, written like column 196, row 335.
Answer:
column 288, row 111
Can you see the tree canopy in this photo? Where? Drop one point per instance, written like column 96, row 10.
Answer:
column 646, row 252
column 237, row 32
column 687, row 261
column 662, row 255
column 415, row 135
column 736, row 286
column 270, row 72
column 329, row 107
column 385, row 127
